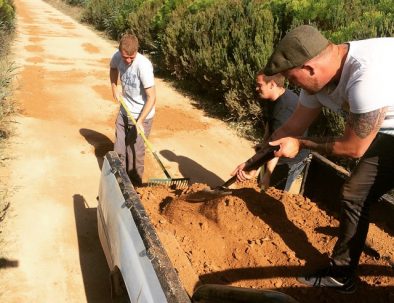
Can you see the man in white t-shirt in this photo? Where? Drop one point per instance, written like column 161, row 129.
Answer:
column 352, row 78
column 138, row 91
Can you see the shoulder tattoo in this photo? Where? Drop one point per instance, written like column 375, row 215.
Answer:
column 366, row 123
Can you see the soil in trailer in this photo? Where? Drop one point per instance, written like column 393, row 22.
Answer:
column 261, row 240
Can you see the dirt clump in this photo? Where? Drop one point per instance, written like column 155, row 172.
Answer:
column 260, row 240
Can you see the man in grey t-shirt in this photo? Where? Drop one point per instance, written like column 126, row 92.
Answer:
column 138, row 91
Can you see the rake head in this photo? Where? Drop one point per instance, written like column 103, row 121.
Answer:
column 170, row 182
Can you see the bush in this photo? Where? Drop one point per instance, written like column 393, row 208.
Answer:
column 76, row 2
column 110, row 16
column 340, row 20
column 220, row 46
column 141, row 23
column 7, row 17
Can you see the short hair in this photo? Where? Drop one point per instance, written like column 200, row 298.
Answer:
column 279, row 79
column 128, row 43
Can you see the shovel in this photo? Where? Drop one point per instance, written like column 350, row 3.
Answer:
column 262, row 156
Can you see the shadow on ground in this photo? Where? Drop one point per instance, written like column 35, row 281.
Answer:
column 101, row 143
column 191, row 169
column 95, row 271
column 6, row 263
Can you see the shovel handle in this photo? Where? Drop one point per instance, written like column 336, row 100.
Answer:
column 261, row 157
column 142, row 134
column 139, row 131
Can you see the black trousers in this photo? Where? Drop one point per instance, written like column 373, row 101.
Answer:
column 372, row 177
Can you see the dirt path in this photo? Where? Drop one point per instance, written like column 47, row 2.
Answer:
column 50, row 248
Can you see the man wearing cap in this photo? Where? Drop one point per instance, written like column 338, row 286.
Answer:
column 353, row 78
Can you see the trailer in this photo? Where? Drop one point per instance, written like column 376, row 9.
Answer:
column 140, row 269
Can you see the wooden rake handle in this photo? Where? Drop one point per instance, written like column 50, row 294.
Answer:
column 142, row 134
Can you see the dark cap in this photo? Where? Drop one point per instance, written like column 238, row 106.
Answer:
column 297, row 46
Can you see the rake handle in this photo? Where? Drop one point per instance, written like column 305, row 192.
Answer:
column 142, row 134
column 261, row 157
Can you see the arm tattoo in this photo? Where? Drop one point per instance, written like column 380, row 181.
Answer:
column 364, row 124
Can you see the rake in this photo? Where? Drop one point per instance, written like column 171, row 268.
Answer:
column 169, row 181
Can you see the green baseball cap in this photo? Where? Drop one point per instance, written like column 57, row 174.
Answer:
column 297, row 46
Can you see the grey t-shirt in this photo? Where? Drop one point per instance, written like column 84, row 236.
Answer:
column 134, row 78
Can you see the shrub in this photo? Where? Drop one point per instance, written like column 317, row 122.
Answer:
column 76, row 2
column 141, row 23
column 340, row 20
column 220, row 46
column 7, row 15
column 110, row 15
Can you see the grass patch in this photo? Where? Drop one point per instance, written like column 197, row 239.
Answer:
column 7, row 69
column 72, row 11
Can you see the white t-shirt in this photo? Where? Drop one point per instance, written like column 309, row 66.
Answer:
column 135, row 78
column 365, row 83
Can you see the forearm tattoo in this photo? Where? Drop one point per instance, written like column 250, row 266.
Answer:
column 365, row 124
column 362, row 124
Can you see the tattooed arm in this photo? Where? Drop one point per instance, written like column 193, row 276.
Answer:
column 359, row 132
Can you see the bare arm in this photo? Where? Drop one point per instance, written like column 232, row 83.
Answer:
column 150, row 102
column 113, row 76
column 360, row 131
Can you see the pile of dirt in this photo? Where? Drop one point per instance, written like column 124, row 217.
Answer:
column 261, row 240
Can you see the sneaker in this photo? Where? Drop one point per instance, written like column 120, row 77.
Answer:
column 322, row 278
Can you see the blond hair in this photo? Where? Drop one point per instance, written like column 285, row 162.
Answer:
column 129, row 44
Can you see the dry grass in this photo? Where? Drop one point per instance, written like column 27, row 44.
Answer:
column 74, row 12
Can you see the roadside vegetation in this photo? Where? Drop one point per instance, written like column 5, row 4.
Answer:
column 216, row 47
column 7, row 18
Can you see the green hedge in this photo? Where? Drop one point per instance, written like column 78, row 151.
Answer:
column 7, row 20
column 76, row 2
column 221, row 46
column 110, row 15
column 340, row 20
column 7, row 15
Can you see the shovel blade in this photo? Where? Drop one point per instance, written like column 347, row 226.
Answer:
column 208, row 194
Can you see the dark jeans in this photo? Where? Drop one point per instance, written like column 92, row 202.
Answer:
column 372, row 177
column 130, row 147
